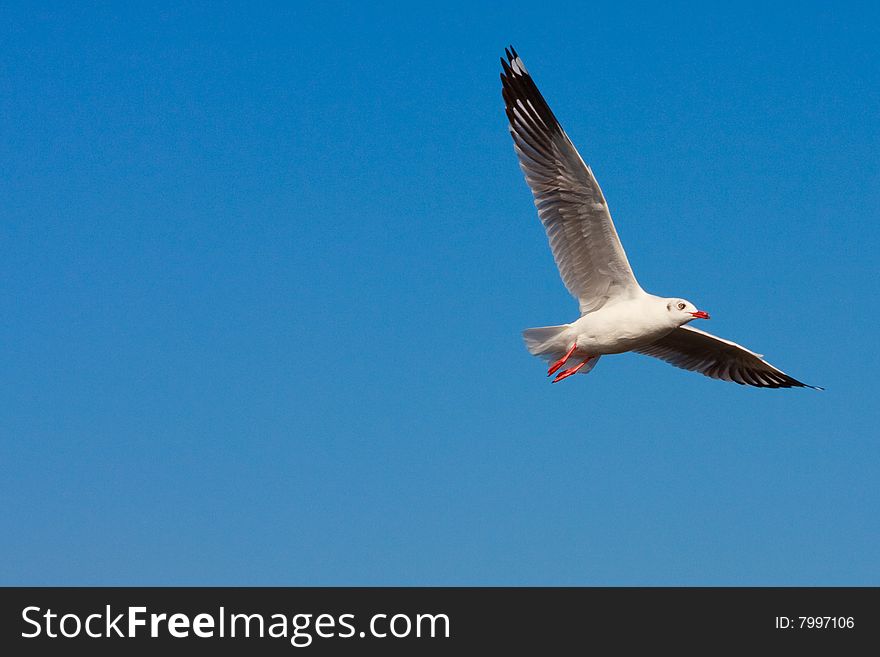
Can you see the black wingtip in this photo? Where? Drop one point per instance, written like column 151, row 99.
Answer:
column 510, row 51
column 801, row 384
column 506, row 68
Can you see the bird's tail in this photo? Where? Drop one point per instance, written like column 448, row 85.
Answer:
column 545, row 341
column 551, row 343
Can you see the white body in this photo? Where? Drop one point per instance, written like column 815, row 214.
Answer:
column 613, row 329
column 624, row 326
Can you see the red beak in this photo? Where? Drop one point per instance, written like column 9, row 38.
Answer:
column 701, row 314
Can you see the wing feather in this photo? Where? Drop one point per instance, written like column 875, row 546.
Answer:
column 584, row 242
column 698, row 351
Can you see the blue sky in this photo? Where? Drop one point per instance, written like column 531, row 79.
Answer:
column 265, row 267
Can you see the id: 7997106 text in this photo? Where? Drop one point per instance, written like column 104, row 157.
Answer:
column 815, row 622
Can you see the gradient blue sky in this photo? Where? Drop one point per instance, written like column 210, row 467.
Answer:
column 264, row 268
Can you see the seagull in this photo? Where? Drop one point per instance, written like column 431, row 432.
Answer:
column 617, row 315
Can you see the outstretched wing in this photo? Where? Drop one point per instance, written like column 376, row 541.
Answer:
column 571, row 206
column 698, row 351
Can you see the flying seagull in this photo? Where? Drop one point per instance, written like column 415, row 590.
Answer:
column 617, row 315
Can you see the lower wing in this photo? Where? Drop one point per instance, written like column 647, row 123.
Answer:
column 698, row 351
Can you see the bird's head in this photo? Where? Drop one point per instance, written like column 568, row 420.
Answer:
column 683, row 311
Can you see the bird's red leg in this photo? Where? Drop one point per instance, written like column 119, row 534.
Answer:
column 559, row 363
column 572, row 370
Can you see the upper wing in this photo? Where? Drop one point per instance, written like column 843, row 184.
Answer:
column 588, row 253
column 698, row 351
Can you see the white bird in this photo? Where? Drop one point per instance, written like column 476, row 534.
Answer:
column 617, row 315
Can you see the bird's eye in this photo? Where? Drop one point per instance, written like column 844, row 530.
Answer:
column 680, row 305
